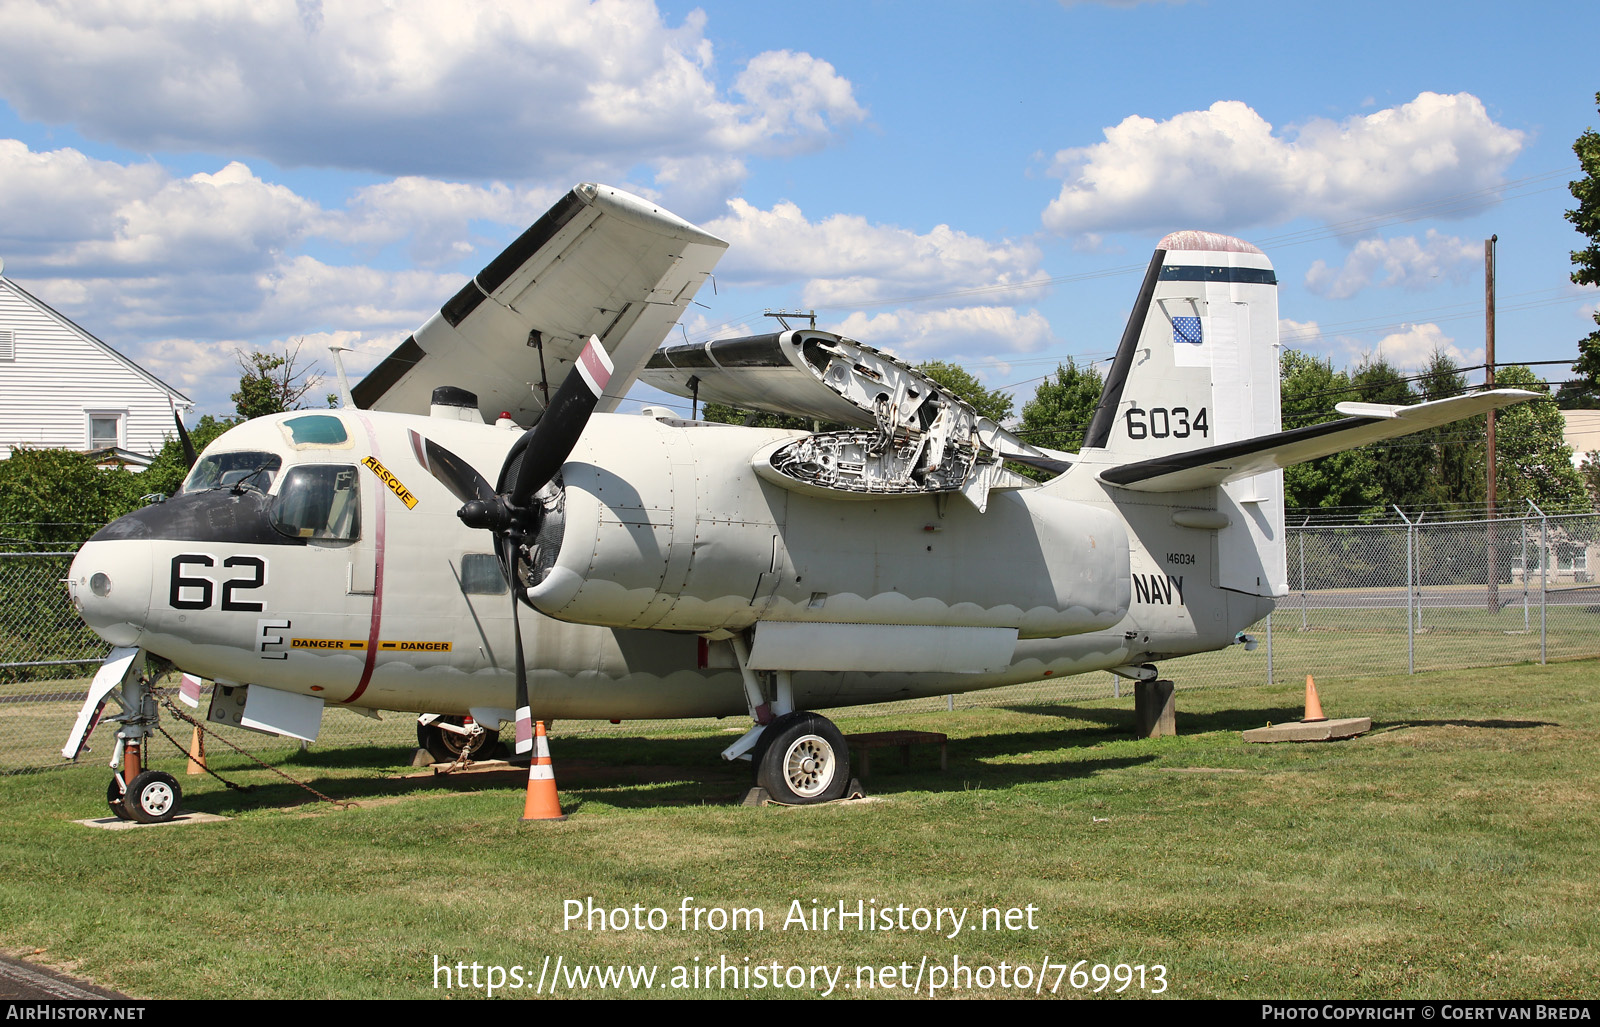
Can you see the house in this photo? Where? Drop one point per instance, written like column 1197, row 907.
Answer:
column 62, row 388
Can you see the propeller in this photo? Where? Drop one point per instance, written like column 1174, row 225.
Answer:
column 183, row 433
column 510, row 511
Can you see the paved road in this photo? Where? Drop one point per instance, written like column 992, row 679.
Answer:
column 23, row 980
column 1454, row 597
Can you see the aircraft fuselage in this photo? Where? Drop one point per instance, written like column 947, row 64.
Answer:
column 351, row 579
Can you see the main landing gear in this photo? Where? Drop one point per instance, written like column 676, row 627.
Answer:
column 449, row 739
column 799, row 757
column 802, row 758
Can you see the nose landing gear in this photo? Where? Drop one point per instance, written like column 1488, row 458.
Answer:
column 144, row 796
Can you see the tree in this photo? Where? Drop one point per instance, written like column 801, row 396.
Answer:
column 1458, row 447
column 60, row 496
column 1586, row 219
column 1343, row 481
column 990, row 403
column 270, row 383
column 1532, row 458
column 1062, row 407
column 1403, row 467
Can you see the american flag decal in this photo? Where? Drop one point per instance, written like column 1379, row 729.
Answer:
column 1186, row 329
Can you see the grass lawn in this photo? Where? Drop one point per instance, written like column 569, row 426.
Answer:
column 1451, row 853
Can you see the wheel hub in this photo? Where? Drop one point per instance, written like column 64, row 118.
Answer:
column 809, row 765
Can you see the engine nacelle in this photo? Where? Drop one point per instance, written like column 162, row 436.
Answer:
column 675, row 530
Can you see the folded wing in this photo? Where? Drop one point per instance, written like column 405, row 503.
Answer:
column 601, row 262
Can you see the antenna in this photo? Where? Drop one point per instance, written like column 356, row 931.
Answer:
column 782, row 316
column 345, row 399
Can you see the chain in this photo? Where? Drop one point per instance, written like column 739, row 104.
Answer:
column 181, row 715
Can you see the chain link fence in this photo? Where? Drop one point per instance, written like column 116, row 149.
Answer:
column 1364, row 600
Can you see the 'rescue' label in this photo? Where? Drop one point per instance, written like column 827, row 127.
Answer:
column 401, row 492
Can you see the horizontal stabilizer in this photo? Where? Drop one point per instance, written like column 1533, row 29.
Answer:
column 1371, row 422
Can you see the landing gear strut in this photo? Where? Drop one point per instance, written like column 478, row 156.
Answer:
column 145, row 796
column 800, row 758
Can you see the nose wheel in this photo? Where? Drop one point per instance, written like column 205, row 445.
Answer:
column 152, row 797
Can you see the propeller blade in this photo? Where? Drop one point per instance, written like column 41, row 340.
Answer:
column 524, row 741
column 550, row 442
column 454, row 473
column 183, row 434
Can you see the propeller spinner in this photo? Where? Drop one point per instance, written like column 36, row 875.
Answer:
column 532, row 462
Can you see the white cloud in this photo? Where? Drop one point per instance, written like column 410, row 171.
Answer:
column 1299, row 335
column 970, row 333
column 845, row 260
column 1409, row 349
column 1413, row 347
column 1403, row 261
column 555, row 90
column 62, row 197
column 1225, row 167
column 434, row 218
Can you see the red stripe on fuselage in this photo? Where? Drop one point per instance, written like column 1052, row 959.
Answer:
column 377, row 576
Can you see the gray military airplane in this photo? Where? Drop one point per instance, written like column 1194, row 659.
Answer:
column 672, row 567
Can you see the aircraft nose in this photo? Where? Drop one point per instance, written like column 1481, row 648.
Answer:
column 110, row 588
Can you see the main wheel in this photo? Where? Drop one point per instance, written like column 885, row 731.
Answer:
column 803, row 759
column 446, row 746
column 152, row 797
column 114, row 800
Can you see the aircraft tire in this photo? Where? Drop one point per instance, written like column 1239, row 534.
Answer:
column 153, row 797
column 803, row 759
column 445, row 746
column 114, row 800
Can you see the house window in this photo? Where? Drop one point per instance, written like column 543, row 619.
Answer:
column 105, row 428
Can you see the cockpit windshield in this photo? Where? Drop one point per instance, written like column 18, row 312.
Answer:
column 246, row 469
column 319, row 501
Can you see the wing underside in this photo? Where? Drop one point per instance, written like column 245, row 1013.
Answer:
column 601, row 262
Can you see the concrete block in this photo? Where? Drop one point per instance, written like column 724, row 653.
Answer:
column 1316, row 731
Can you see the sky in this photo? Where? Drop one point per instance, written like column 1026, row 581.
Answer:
column 982, row 184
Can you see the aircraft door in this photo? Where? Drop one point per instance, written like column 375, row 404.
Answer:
column 363, row 553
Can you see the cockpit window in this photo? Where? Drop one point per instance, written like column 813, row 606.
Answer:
column 246, row 469
column 319, row 501
column 315, row 430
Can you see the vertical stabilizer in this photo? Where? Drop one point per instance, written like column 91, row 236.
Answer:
column 1198, row 367
column 1198, row 364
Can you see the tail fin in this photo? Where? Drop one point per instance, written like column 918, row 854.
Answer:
column 1198, row 368
column 1198, row 362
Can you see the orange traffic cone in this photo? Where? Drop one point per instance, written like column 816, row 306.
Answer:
column 1313, row 704
column 542, row 803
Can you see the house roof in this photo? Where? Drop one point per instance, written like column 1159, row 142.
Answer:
column 178, row 398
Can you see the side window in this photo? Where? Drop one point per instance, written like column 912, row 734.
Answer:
column 481, row 575
column 105, row 428
column 319, row 501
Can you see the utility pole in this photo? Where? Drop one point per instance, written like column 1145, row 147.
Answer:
column 1488, row 379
